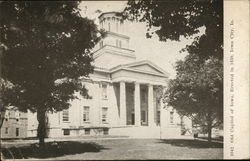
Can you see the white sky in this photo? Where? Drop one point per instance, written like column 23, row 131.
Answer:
column 164, row 54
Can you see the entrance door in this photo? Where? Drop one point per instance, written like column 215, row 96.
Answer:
column 144, row 118
column 132, row 118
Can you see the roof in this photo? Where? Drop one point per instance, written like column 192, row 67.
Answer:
column 117, row 13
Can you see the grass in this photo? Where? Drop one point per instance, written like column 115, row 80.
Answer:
column 139, row 149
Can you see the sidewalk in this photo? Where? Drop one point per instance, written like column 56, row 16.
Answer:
column 91, row 138
column 213, row 141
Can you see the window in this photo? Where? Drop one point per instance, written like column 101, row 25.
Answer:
column 17, row 131
column 105, row 131
column 171, row 117
column 158, row 117
column 6, row 130
column 66, row 132
column 86, row 113
column 87, row 131
column 104, row 114
column 65, row 115
column 104, row 91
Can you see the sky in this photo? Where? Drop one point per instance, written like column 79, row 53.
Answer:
column 163, row 54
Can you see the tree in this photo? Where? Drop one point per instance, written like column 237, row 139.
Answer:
column 47, row 51
column 197, row 91
column 175, row 18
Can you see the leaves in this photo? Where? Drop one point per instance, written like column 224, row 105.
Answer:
column 198, row 88
column 172, row 19
column 45, row 42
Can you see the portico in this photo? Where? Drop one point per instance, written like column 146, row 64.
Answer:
column 138, row 104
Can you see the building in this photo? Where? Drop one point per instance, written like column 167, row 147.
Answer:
column 125, row 95
column 14, row 124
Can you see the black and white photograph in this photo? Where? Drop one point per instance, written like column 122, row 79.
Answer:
column 112, row 80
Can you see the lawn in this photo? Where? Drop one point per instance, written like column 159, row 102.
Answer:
column 118, row 149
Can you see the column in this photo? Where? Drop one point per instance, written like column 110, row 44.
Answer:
column 137, row 105
column 123, row 111
column 164, row 113
column 150, row 106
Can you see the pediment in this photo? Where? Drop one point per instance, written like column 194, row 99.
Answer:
column 142, row 66
column 146, row 68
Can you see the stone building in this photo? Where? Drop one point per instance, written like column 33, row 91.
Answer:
column 125, row 95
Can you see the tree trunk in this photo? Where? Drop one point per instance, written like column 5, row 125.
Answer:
column 2, row 119
column 209, row 127
column 41, row 131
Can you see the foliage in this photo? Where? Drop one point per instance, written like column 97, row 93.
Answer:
column 47, row 49
column 197, row 91
column 172, row 19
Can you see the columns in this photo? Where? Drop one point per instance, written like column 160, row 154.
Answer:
column 123, row 111
column 137, row 104
column 150, row 106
